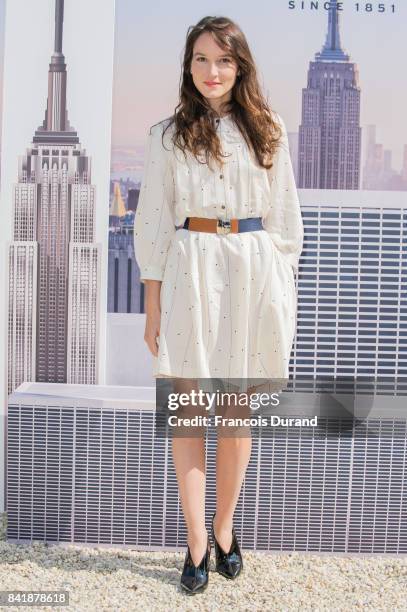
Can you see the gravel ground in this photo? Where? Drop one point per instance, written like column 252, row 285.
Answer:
column 121, row 580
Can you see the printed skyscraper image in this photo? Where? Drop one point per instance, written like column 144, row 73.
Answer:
column 54, row 263
column 329, row 145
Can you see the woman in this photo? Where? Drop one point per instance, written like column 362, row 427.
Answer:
column 218, row 236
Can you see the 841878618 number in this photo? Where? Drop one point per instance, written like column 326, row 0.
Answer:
column 34, row 598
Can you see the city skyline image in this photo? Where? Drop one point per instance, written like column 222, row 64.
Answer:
column 333, row 144
column 354, row 241
column 147, row 73
column 283, row 56
column 54, row 262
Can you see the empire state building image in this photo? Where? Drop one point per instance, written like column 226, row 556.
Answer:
column 54, row 263
column 329, row 145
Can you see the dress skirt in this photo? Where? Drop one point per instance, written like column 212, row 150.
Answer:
column 228, row 307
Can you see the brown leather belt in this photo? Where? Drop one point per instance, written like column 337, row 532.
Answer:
column 223, row 226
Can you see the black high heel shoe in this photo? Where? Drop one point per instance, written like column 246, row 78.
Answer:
column 194, row 578
column 228, row 564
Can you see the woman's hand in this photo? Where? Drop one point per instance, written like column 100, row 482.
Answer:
column 153, row 312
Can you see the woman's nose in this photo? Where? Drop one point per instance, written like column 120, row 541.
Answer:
column 213, row 70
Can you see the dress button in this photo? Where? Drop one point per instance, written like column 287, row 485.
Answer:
column 223, row 206
column 220, row 175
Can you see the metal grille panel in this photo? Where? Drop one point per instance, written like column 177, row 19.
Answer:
column 99, row 475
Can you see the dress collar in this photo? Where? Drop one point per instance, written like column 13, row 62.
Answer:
column 225, row 119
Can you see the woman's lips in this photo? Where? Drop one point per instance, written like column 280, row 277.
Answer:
column 211, row 83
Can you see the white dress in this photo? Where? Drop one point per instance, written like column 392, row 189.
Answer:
column 228, row 302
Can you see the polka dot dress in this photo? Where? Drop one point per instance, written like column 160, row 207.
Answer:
column 228, row 302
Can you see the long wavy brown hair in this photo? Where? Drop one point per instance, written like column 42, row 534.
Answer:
column 193, row 118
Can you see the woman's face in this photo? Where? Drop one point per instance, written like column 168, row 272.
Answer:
column 213, row 70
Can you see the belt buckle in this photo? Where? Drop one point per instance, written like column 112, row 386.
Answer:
column 223, row 226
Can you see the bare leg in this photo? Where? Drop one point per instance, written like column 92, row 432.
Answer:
column 232, row 458
column 189, row 461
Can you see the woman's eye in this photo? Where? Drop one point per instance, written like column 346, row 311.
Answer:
column 225, row 60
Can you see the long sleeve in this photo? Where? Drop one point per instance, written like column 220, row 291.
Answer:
column 154, row 222
column 283, row 219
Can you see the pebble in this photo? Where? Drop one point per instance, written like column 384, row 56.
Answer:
column 108, row 579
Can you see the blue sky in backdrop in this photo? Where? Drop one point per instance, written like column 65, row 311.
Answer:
column 150, row 37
